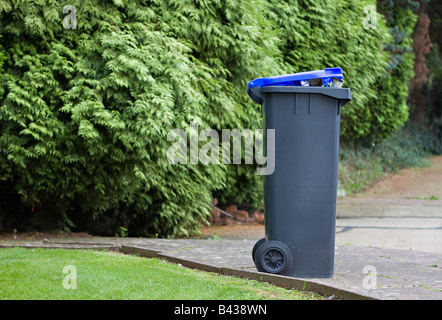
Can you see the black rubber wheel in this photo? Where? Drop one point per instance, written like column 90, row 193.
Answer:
column 273, row 257
column 256, row 246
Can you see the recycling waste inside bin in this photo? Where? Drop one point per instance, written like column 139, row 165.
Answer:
column 304, row 110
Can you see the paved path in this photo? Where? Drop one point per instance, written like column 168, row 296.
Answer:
column 406, row 224
column 403, row 211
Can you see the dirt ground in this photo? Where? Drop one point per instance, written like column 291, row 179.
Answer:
column 413, row 183
column 40, row 236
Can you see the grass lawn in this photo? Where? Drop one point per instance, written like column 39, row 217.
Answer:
column 48, row 274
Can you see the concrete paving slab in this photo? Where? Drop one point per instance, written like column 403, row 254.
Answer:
column 360, row 273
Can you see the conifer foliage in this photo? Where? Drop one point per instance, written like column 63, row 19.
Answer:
column 86, row 112
column 86, row 104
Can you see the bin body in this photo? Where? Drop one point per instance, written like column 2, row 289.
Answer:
column 300, row 194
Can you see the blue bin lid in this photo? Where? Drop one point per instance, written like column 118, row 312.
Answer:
column 289, row 79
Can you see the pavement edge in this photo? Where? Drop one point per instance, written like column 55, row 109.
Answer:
column 277, row 280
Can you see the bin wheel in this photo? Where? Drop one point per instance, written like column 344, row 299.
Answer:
column 273, row 257
column 256, row 246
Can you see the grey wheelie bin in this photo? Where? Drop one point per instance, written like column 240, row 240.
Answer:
column 304, row 109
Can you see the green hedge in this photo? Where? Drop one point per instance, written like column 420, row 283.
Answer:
column 85, row 113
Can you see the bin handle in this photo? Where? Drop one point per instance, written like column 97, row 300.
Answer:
column 255, row 94
column 343, row 102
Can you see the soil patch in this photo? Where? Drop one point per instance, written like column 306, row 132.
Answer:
column 252, row 231
column 38, row 236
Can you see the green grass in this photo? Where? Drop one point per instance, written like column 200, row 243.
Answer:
column 38, row 274
column 432, row 197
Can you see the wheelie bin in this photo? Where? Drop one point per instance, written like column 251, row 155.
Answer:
column 304, row 109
